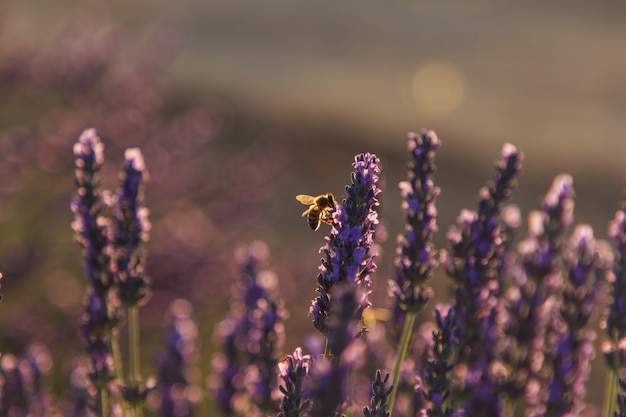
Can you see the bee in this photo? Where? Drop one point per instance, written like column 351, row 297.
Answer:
column 319, row 209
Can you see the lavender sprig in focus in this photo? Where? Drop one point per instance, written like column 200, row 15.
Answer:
column 346, row 255
column 416, row 261
column 438, row 370
column 93, row 233
column 416, row 255
column 293, row 372
column 380, row 394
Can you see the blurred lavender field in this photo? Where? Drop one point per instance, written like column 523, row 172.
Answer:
column 239, row 106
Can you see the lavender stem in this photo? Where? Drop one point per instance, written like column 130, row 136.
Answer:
column 403, row 349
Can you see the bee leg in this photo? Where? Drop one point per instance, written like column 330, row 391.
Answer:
column 327, row 219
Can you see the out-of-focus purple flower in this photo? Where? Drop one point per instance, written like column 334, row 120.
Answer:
column 614, row 349
column 176, row 362
column 380, row 393
column 20, row 391
column 569, row 344
column 531, row 302
column 328, row 386
column 346, row 255
column 251, row 336
column 475, row 263
column 80, row 383
column 131, row 228
column 343, row 323
column 293, row 372
column 616, row 317
column 95, row 329
column 415, row 259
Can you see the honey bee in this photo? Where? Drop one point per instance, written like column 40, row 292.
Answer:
column 319, row 209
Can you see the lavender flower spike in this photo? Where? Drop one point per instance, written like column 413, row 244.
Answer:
column 616, row 320
column 614, row 349
column 293, row 371
column 380, row 392
column 251, row 336
column 573, row 347
column 416, row 254
column 478, row 243
column 93, row 233
column 176, row 362
column 531, row 297
column 346, row 255
column 476, row 258
column 438, row 370
column 132, row 228
column 89, row 224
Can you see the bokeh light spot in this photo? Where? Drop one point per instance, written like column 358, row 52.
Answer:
column 438, row 87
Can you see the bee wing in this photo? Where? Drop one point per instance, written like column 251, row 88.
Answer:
column 306, row 199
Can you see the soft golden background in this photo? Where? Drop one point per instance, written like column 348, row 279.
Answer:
column 294, row 90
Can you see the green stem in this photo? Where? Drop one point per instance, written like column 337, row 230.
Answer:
column 133, row 336
column 326, row 349
column 610, row 390
column 117, row 364
column 509, row 408
column 407, row 330
column 103, row 399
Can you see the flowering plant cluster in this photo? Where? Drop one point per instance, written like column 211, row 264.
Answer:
column 513, row 335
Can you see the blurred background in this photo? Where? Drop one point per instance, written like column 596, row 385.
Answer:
column 240, row 105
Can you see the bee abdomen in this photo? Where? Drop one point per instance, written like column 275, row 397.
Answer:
column 314, row 218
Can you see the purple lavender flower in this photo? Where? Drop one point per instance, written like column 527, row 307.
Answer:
column 438, row 369
column 531, row 297
column 616, row 317
column 95, row 329
column 176, row 361
column 474, row 263
column 614, row 349
column 20, row 391
column 131, row 228
column 93, row 234
column 571, row 343
column 416, row 254
column 346, row 255
column 80, row 384
column 228, row 382
column 328, row 386
column 293, row 372
column 380, row 392
column 345, row 317
column 251, row 336
column 90, row 225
